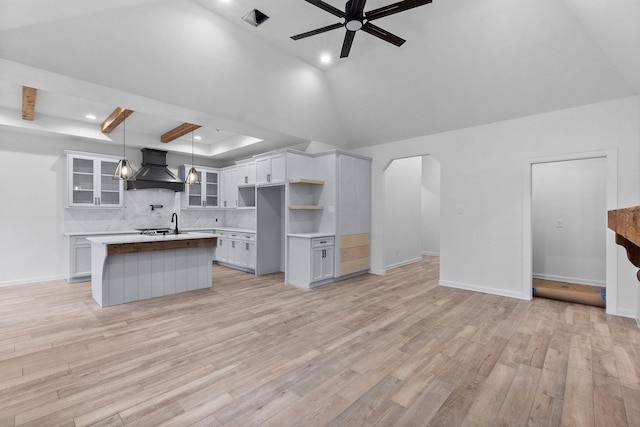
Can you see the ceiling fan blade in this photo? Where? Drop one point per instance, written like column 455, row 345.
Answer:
column 401, row 6
column 327, row 8
column 382, row 34
column 318, row 31
column 348, row 41
column 356, row 8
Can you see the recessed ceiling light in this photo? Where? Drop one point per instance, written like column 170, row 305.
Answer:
column 325, row 59
column 197, row 137
column 90, row 117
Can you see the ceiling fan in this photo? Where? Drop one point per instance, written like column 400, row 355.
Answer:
column 355, row 18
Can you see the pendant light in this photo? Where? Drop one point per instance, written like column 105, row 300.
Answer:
column 124, row 169
column 192, row 176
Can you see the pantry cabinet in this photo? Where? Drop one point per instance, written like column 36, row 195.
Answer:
column 90, row 182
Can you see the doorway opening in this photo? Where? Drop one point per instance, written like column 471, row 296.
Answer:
column 411, row 210
column 555, row 189
column 568, row 216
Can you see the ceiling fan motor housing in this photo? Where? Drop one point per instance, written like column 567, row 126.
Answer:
column 353, row 21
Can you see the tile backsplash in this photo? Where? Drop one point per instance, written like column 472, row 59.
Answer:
column 137, row 213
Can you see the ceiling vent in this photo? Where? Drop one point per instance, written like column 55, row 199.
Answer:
column 255, row 17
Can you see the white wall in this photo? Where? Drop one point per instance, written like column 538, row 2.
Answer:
column 569, row 221
column 482, row 191
column 402, row 242
column 430, row 206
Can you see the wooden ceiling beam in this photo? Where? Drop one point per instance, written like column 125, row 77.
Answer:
column 114, row 119
column 28, row 102
column 177, row 132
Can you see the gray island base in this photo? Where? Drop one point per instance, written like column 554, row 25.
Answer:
column 127, row 268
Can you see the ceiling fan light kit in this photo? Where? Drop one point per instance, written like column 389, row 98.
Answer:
column 355, row 19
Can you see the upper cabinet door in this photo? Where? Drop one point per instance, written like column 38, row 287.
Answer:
column 211, row 189
column 193, row 192
column 90, row 182
column 246, row 173
column 277, row 169
column 270, row 170
column 204, row 194
column 110, row 189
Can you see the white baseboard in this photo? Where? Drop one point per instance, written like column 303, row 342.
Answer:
column 576, row 280
column 402, row 263
column 430, row 253
column 483, row 289
column 626, row 313
column 378, row 272
column 30, row 280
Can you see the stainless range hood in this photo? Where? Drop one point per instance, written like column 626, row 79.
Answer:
column 154, row 173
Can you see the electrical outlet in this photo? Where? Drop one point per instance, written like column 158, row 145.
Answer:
column 559, row 223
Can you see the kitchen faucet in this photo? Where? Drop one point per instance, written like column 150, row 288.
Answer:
column 175, row 215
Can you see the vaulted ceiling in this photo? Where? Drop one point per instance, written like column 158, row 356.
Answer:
column 465, row 63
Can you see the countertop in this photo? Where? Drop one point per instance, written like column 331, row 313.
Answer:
column 191, row 229
column 135, row 238
column 310, row 235
column 97, row 233
column 239, row 230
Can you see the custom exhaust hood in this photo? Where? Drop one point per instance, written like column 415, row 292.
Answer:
column 154, row 173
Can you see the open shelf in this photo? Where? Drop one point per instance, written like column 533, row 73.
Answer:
column 306, row 181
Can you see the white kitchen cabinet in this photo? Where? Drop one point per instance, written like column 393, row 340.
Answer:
column 354, row 195
column 222, row 249
column 205, row 194
column 246, row 187
column 246, row 173
column 270, row 170
column 322, row 259
column 249, row 255
column 311, row 260
column 354, row 214
column 229, row 193
column 79, row 259
column 237, row 249
column 90, row 181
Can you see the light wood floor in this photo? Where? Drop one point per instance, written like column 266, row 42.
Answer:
column 388, row 350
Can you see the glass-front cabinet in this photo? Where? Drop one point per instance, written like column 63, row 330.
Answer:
column 90, row 182
column 205, row 193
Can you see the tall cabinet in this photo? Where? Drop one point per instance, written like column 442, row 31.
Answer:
column 353, row 223
column 328, row 218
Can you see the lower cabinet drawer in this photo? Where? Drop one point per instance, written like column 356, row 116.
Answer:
column 321, row 241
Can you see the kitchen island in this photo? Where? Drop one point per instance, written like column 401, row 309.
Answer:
column 127, row 268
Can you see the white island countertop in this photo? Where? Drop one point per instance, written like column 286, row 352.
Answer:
column 136, row 238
